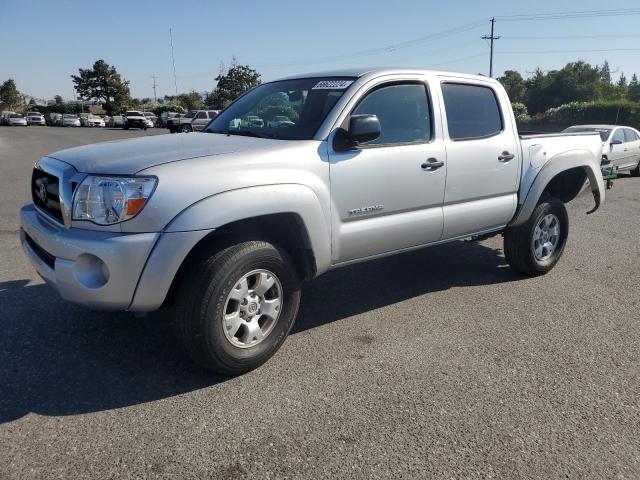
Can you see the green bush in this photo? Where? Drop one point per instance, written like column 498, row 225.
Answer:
column 620, row 112
column 520, row 112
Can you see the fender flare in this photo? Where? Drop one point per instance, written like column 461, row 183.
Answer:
column 556, row 165
column 218, row 210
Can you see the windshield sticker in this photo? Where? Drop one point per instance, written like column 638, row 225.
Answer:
column 332, row 84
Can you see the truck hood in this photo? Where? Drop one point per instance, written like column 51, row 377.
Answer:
column 127, row 157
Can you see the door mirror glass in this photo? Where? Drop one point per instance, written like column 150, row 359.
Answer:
column 364, row 128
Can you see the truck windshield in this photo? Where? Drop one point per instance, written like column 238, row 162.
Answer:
column 284, row 110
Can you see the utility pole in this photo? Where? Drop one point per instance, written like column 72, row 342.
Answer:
column 491, row 37
column 173, row 61
column 155, row 97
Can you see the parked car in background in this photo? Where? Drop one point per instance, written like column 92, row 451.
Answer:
column 225, row 225
column 134, row 119
column 4, row 117
column 249, row 121
column 620, row 145
column 35, row 118
column 152, row 120
column 280, row 121
column 69, row 120
column 164, row 118
column 193, row 121
column 115, row 121
column 54, row 119
column 17, row 120
column 83, row 119
column 93, row 121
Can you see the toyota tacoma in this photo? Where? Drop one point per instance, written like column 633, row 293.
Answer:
column 224, row 225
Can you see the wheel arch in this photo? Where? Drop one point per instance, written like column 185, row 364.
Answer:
column 298, row 227
column 563, row 177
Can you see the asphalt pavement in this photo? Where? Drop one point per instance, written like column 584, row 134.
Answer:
column 439, row 363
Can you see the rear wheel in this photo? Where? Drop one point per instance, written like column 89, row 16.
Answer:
column 534, row 247
column 236, row 307
column 636, row 171
column 185, row 128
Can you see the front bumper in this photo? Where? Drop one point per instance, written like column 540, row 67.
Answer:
column 94, row 268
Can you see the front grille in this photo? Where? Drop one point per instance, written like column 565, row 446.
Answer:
column 45, row 191
column 45, row 256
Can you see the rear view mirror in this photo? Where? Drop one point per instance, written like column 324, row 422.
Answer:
column 362, row 128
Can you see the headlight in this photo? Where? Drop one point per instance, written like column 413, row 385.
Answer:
column 108, row 200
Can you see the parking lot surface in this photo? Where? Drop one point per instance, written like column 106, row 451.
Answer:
column 439, row 363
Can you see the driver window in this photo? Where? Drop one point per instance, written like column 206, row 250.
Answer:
column 403, row 112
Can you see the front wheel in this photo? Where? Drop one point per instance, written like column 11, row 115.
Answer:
column 185, row 128
column 534, row 247
column 636, row 171
column 236, row 307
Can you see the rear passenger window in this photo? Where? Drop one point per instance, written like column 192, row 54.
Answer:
column 472, row 111
column 630, row 135
column 403, row 112
column 618, row 136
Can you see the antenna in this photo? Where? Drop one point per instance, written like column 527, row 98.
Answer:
column 173, row 61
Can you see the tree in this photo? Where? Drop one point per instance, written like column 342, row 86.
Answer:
column 190, row 101
column 605, row 72
column 515, row 86
column 59, row 100
column 622, row 83
column 32, row 102
column 237, row 80
column 634, row 89
column 9, row 93
column 102, row 82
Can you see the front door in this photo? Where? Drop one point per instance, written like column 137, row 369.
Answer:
column 386, row 195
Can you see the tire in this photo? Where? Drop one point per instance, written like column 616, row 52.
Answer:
column 185, row 128
column 144, row 127
column 636, row 171
column 204, row 297
column 125, row 127
column 520, row 242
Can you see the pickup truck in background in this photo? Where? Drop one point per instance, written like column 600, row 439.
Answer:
column 223, row 226
column 193, row 121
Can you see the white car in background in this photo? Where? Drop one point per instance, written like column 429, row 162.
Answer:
column 69, row 120
column 151, row 119
column 620, row 145
column 35, row 118
column 93, row 121
column 280, row 121
column 17, row 120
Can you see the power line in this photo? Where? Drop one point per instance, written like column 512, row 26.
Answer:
column 491, row 37
column 572, row 51
column 381, row 50
column 569, row 15
column 568, row 37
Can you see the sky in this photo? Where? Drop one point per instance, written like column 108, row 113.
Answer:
column 44, row 42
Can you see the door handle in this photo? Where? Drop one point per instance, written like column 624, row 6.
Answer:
column 431, row 164
column 506, row 157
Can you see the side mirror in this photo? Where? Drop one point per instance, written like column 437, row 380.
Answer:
column 616, row 142
column 362, row 128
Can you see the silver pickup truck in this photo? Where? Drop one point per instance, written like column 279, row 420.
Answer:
column 224, row 225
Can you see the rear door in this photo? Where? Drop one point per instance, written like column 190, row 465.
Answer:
column 199, row 121
column 483, row 157
column 618, row 151
column 632, row 144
